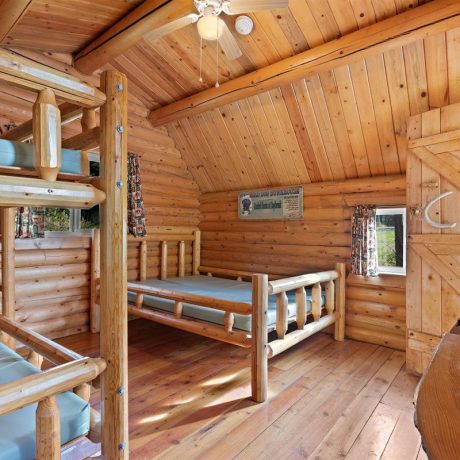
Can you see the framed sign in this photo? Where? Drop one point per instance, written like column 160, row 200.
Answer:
column 270, row 204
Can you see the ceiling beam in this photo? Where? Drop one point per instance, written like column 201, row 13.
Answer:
column 415, row 24
column 149, row 16
column 12, row 12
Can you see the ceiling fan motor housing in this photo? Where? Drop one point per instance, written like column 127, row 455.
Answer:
column 209, row 7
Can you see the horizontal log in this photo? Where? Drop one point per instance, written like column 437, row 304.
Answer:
column 52, row 351
column 241, row 308
column 25, row 73
column 386, row 339
column 239, row 338
column 87, row 140
column 67, row 242
column 28, row 390
column 18, row 191
column 377, row 310
column 378, row 296
column 48, row 288
column 48, row 311
column 60, row 323
column 295, row 282
column 39, row 273
column 292, row 338
column 396, row 31
column 380, row 324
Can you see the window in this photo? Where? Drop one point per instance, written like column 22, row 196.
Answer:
column 74, row 220
column 391, row 240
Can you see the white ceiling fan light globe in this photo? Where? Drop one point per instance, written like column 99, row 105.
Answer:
column 210, row 27
column 244, row 25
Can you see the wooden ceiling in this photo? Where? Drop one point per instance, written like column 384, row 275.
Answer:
column 345, row 123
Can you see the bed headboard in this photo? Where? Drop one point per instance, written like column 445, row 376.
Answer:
column 165, row 251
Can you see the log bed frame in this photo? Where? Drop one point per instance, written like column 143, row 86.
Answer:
column 263, row 285
column 18, row 188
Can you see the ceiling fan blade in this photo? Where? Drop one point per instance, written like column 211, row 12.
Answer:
column 247, row 6
column 171, row 27
column 229, row 44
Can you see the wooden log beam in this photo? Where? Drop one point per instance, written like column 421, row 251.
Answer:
column 12, row 12
column 24, row 132
column 150, row 15
column 87, row 140
column 114, row 302
column 21, row 191
column 7, row 229
column 33, row 388
column 30, row 75
column 52, row 351
column 415, row 24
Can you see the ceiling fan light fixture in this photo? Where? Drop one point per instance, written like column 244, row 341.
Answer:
column 244, row 25
column 210, row 27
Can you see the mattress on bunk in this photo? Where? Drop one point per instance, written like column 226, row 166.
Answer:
column 221, row 288
column 17, row 429
column 20, row 155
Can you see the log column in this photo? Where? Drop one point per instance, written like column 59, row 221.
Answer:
column 47, row 135
column 114, row 308
column 48, row 430
column 8, row 268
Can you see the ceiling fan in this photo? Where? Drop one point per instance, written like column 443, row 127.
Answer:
column 211, row 27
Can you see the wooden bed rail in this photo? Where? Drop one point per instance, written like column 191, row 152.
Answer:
column 43, row 388
column 50, row 350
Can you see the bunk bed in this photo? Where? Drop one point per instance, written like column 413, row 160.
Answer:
column 240, row 308
column 42, row 410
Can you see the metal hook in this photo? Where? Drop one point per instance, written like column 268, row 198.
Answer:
column 426, row 212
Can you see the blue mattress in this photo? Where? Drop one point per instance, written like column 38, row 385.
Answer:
column 222, row 288
column 17, row 429
column 20, row 155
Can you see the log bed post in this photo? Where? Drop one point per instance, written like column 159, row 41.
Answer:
column 164, row 260
column 8, row 268
column 339, row 331
column 196, row 252
column 95, row 309
column 114, row 308
column 259, row 368
column 181, row 259
column 143, row 261
column 47, row 135
column 48, row 430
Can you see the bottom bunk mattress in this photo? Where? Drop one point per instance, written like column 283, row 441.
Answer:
column 222, row 288
column 17, row 429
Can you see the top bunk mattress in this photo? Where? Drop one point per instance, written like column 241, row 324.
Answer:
column 20, row 155
column 222, row 288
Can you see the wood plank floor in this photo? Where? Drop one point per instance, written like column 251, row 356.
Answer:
column 189, row 399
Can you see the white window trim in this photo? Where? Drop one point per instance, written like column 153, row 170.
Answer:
column 401, row 271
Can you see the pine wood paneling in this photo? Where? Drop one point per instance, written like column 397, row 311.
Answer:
column 375, row 310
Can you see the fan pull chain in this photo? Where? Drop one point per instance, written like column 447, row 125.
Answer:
column 217, row 53
column 201, row 59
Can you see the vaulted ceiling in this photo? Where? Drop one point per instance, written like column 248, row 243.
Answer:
column 342, row 123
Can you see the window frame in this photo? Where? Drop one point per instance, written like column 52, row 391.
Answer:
column 387, row 211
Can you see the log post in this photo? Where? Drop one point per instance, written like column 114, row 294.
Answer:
column 114, row 308
column 95, row 308
column 339, row 333
column 196, row 252
column 178, row 309
column 281, row 314
column 48, row 430
column 181, row 259
column 301, row 302
column 88, row 122
column 47, row 135
column 229, row 321
column 83, row 391
column 316, row 301
column 8, row 231
column 164, row 260
column 35, row 359
column 259, row 368
column 330, row 297
column 143, row 261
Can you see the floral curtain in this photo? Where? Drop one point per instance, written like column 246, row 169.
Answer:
column 136, row 215
column 30, row 222
column 363, row 245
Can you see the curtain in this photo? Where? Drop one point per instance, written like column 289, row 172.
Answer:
column 136, row 215
column 30, row 222
column 363, row 244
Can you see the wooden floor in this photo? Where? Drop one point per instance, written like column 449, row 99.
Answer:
column 189, row 399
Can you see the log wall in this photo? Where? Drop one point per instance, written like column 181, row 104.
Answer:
column 52, row 285
column 375, row 311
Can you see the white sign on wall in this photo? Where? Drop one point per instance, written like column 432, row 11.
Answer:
column 270, row 204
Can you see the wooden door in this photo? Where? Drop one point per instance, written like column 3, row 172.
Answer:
column 433, row 258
